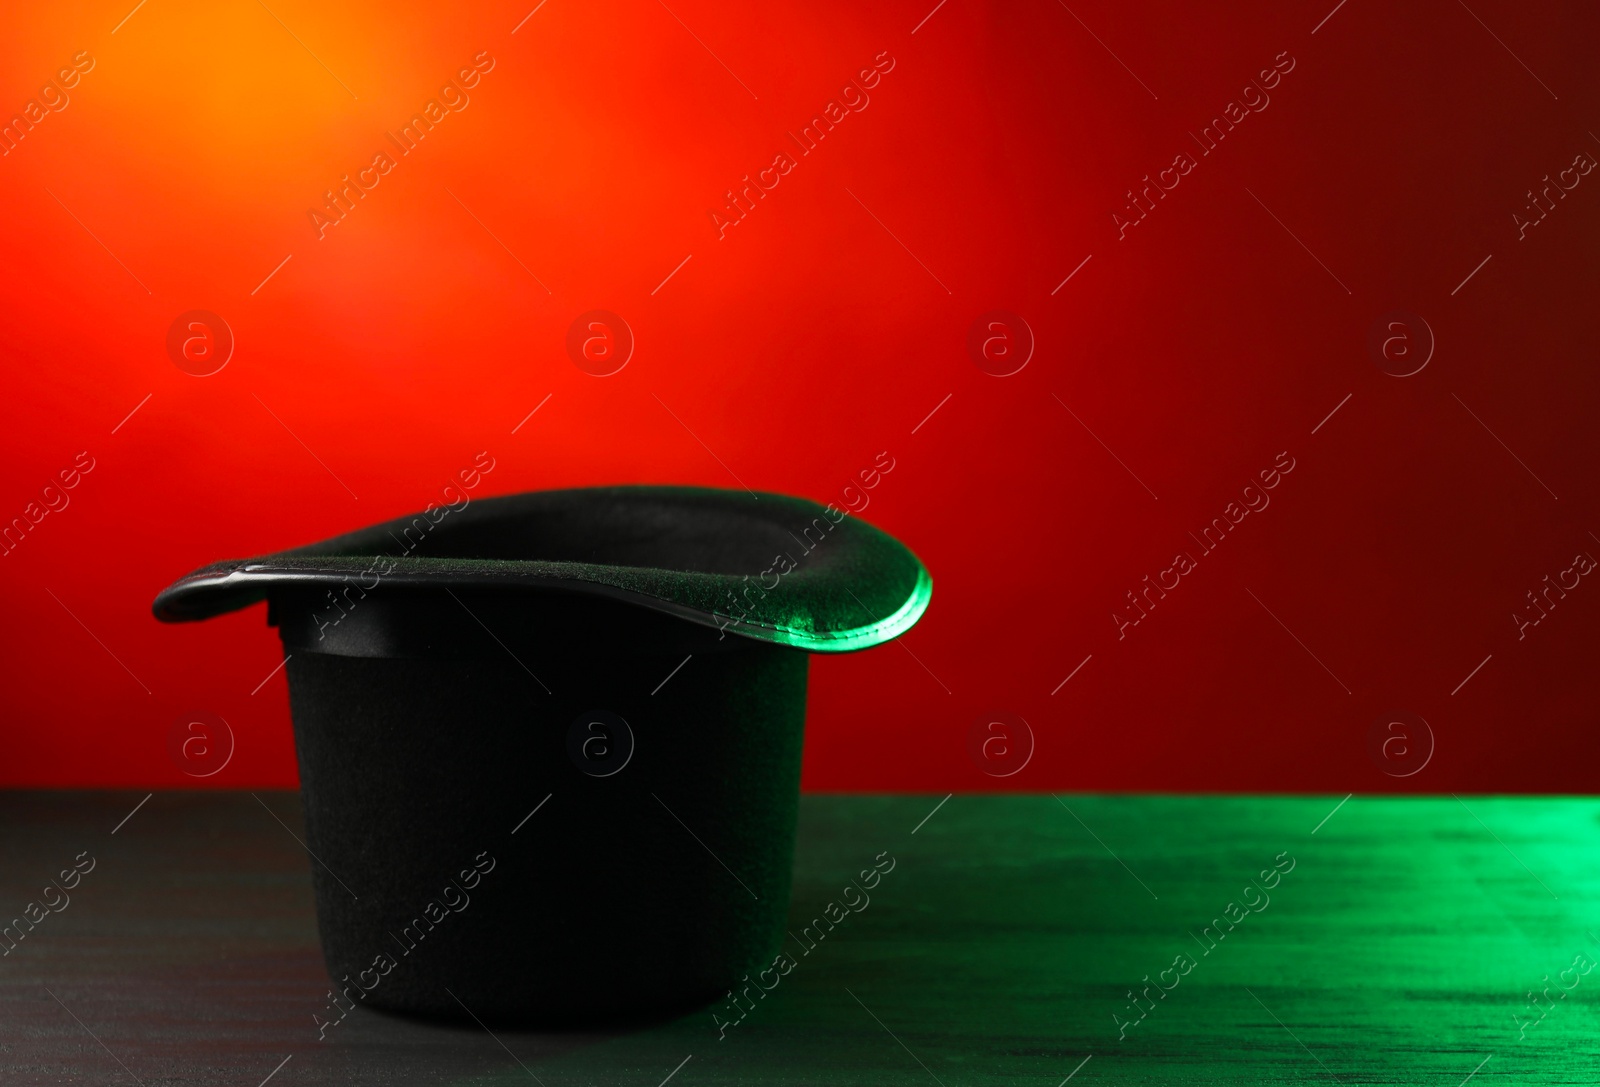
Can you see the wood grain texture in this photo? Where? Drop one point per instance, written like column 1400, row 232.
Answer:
column 1397, row 949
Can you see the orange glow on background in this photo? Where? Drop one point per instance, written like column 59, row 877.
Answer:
column 588, row 169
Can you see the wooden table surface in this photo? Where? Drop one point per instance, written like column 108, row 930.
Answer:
column 1398, row 944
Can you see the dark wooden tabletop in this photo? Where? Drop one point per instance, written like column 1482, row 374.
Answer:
column 1426, row 941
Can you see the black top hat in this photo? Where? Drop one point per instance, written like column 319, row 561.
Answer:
column 774, row 569
column 527, row 718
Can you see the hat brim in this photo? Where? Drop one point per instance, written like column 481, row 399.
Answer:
column 769, row 568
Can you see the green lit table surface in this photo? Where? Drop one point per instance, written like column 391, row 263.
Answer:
column 1003, row 947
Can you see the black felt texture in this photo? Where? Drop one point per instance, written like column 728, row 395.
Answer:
column 441, row 670
column 602, row 904
column 696, row 553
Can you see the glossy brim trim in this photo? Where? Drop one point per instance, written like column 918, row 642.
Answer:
column 252, row 583
column 844, row 641
column 864, row 589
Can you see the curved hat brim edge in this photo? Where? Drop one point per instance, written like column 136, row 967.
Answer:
column 260, row 582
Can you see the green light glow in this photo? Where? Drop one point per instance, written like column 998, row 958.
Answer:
column 863, row 637
column 1411, row 943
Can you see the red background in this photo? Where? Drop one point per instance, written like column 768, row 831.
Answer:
column 810, row 338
